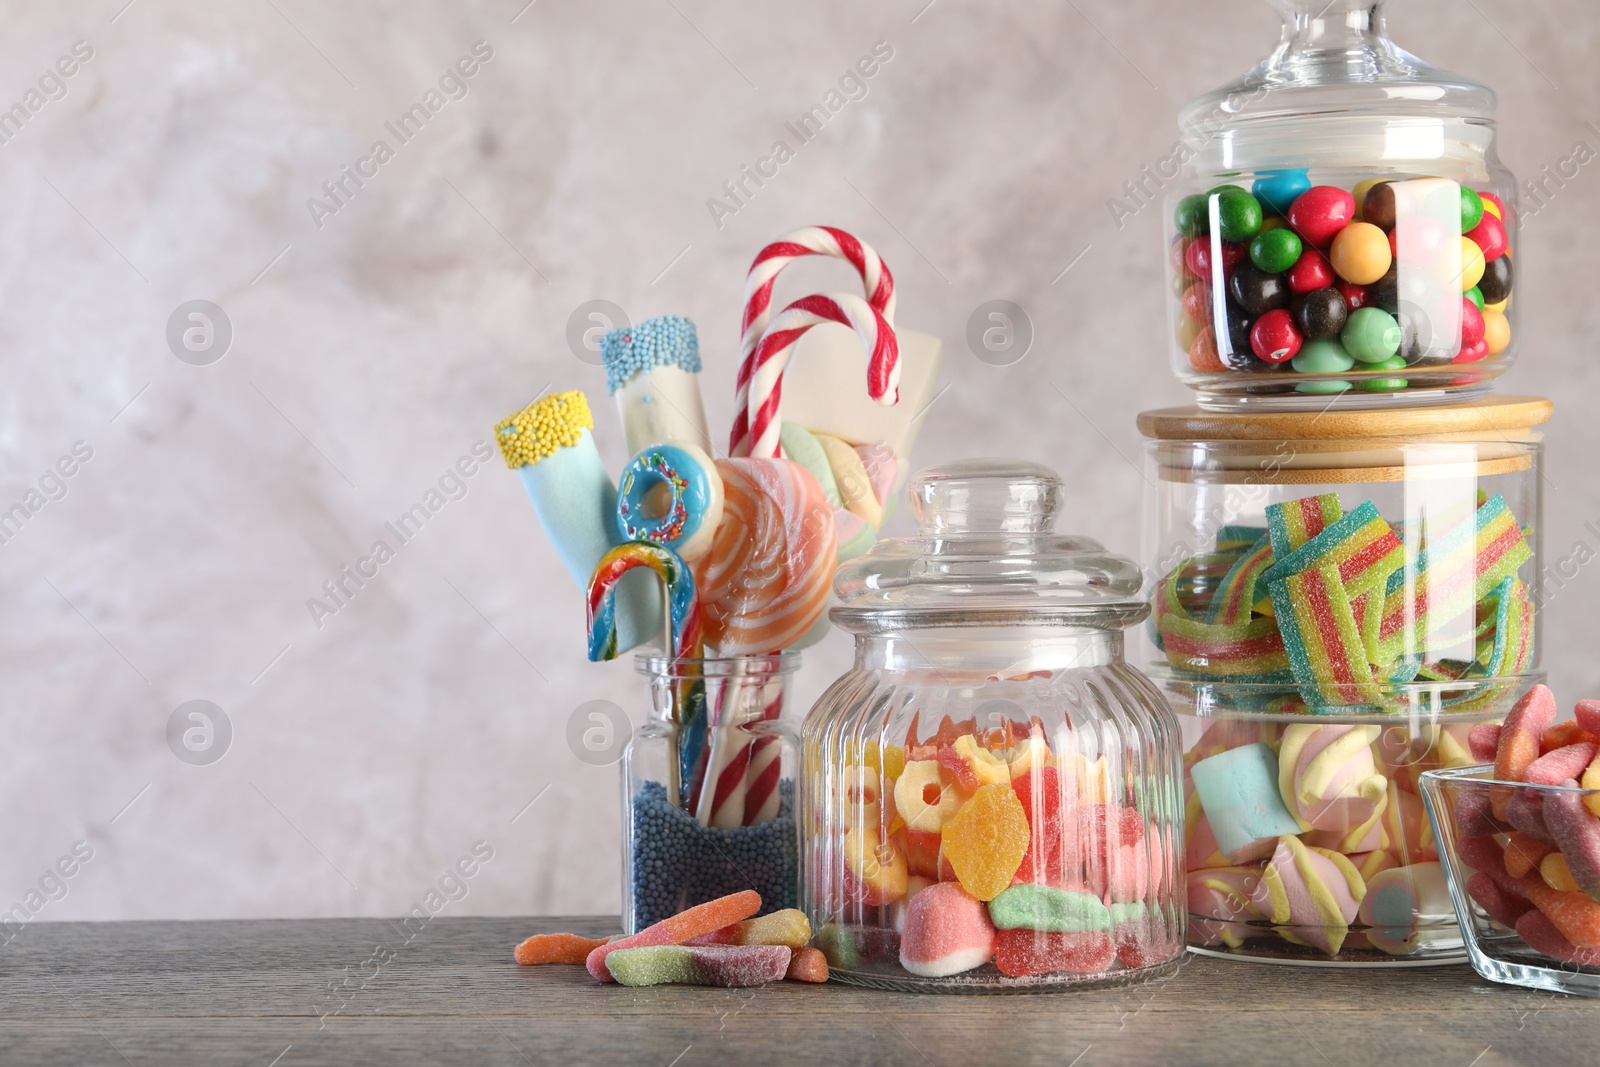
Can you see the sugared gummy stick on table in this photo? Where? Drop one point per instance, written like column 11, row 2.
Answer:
column 729, row 966
column 550, row 444
column 698, row 921
column 551, row 447
column 653, row 370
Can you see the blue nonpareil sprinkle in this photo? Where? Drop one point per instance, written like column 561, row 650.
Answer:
column 677, row 863
column 664, row 341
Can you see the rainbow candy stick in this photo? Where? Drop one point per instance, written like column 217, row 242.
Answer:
column 1237, row 593
column 1249, row 651
column 1322, row 640
column 1452, row 574
column 1294, row 522
column 1361, row 545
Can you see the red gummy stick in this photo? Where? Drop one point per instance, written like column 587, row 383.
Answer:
column 1523, row 853
column 1562, row 734
column 1560, row 764
column 1574, row 914
column 1496, row 893
column 1519, row 741
column 556, row 948
column 1542, row 936
column 685, row 926
column 1484, row 740
column 1577, row 832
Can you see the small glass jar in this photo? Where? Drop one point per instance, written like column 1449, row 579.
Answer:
column 708, row 787
column 992, row 796
column 1339, row 225
column 1339, row 598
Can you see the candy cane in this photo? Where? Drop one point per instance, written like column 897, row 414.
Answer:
column 741, row 781
column 876, row 282
column 777, row 344
column 678, row 583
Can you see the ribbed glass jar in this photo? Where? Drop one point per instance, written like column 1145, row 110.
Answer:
column 991, row 793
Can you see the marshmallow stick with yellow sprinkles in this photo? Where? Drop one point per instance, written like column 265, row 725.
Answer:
column 550, row 445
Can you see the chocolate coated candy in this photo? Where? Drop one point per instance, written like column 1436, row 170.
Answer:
column 1274, row 337
column 1235, row 355
column 1495, row 285
column 1322, row 314
column 1257, row 291
column 1311, row 271
column 1321, row 212
column 1278, row 189
column 1276, row 250
column 1385, row 292
column 1193, row 215
column 1379, row 207
column 1238, row 213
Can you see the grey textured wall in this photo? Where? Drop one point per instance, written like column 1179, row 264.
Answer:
column 372, row 351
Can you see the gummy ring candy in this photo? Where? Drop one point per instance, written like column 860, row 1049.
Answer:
column 686, row 520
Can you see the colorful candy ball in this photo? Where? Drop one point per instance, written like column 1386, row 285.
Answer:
column 1371, row 335
column 1495, row 284
column 1378, row 206
column 1238, row 213
column 1193, row 215
column 1472, row 263
column 1274, row 337
column 1320, row 212
column 1278, row 189
column 1321, row 314
column 1311, row 271
column 1322, row 357
column 1471, row 209
column 1257, row 291
column 1472, row 325
column 1275, row 250
column 1360, row 253
column 1490, row 236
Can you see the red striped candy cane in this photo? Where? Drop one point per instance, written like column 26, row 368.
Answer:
column 777, row 344
column 876, row 282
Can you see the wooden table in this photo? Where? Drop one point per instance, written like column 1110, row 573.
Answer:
column 259, row 993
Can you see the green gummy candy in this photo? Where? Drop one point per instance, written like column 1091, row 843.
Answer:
column 1043, row 907
column 1128, row 911
column 839, row 946
column 1322, row 357
column 729, row 966
column 1371, row 335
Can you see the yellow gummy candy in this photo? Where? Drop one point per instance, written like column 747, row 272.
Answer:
column 986, row 840
column 987, row 768
column 787, row 927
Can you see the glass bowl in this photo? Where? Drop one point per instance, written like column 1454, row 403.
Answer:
column 1500, row 925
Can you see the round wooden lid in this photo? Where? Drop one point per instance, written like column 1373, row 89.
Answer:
column 1494, row 417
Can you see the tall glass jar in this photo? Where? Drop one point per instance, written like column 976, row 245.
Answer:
column 992, row 794
column 1340, row 225
column 708, row 787
column 1339, row 598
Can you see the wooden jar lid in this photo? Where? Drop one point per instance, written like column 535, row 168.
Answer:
column 1496, row 435
column 1493, row 418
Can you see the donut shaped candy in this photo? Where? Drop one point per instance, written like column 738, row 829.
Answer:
column 671, row 495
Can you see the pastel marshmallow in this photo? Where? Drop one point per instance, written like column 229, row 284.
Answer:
column 1238, row 790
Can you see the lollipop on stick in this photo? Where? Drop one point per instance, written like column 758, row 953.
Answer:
column 550, row 445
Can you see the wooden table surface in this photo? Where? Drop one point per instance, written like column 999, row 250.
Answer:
column 261, row 993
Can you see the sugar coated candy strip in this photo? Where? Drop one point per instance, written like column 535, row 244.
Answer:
column 1324, row 645
column 808, row 965
column 1576, row 832
column 556, row 948
column 729, row 966
column 685, row 926
column 1361, row 545
column 1519, row 742
column 1294, row 522
column 1234, row 597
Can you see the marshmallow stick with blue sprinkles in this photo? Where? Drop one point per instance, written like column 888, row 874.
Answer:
column 550, row 444
column 653, row 370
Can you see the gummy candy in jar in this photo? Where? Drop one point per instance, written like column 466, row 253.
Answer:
column 1341, row 600
column 992, row 796
column 1339, row 227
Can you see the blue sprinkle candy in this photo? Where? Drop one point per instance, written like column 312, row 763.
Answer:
column 677, row 863
column 664, row 341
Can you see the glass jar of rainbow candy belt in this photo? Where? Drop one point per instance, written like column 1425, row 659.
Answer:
column 991, row 793
column 1339, row 598
column 1338, row 225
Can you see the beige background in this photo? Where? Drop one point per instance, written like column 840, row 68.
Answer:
column 370, row 353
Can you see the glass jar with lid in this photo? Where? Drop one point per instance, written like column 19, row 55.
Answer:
column 1339, row 599
column 1340, row 225
column 992, row 793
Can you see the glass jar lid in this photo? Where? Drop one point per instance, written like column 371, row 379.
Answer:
column 986, row 553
